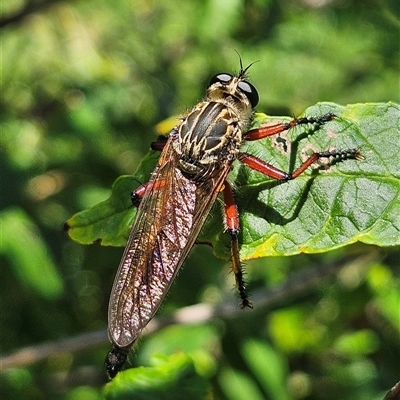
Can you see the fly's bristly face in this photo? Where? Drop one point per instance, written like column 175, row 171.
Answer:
column 210, row 135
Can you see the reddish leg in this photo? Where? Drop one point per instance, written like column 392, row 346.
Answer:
column 232, row 226
column 138, row 193
column 276, row 173
column 264, row 131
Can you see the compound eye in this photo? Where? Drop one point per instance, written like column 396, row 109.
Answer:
column 221, row 78
column 250, row 91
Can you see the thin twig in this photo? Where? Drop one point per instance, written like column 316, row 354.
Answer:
column 297, row 285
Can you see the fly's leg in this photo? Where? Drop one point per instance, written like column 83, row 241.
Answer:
column 269, row 170
column 275, row 173
column 138, row 193
column 264, row 131
column 232, row 226
column 159, row 144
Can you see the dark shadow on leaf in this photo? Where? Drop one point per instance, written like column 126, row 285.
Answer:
column 267, row 212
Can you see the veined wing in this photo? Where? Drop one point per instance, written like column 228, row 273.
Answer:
column 167, row 223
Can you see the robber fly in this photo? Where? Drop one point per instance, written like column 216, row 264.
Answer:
column 173, row 206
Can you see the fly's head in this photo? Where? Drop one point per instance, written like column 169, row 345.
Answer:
column 235, row 92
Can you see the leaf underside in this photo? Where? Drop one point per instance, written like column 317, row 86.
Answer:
column 323, row 209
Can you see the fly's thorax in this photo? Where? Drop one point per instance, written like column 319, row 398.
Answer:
column 210, row 134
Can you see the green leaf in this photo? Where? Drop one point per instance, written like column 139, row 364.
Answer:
column 173, row 377
column 109, row 222
column 321, row 210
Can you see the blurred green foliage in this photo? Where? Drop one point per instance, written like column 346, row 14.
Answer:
column 83, row 85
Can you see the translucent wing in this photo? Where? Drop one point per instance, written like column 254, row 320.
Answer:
column 167, row 223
